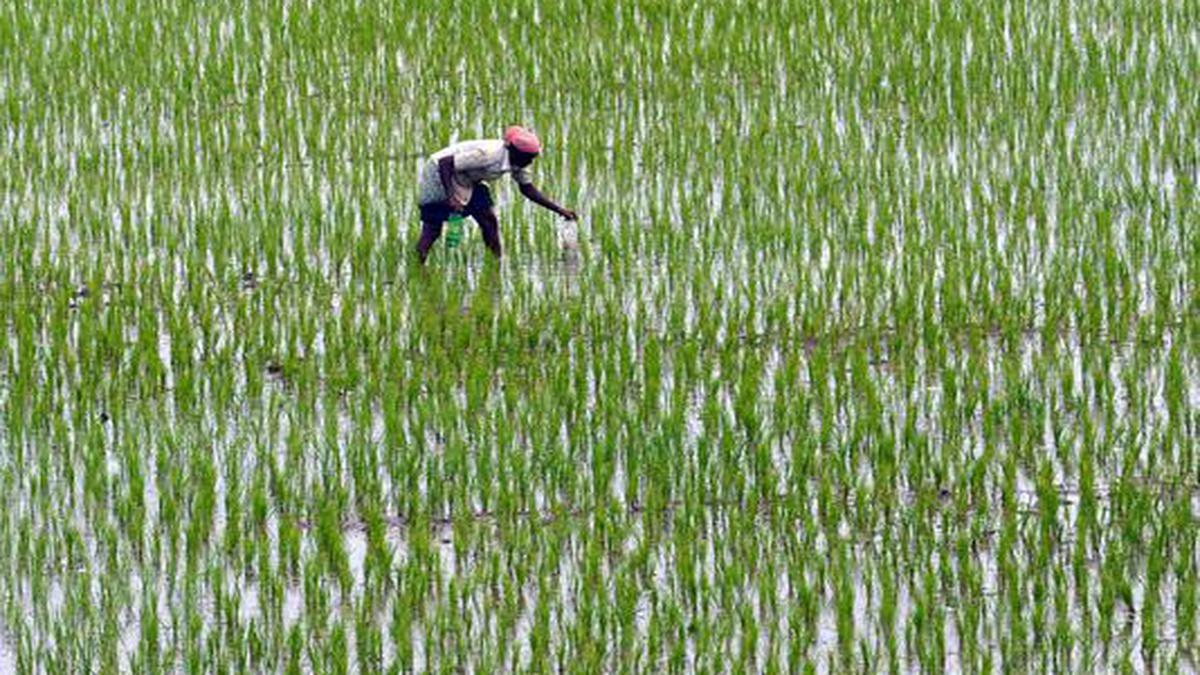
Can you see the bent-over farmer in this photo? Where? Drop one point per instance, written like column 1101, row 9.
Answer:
column 454, row 180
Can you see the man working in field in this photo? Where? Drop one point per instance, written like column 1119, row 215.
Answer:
column 453, row 180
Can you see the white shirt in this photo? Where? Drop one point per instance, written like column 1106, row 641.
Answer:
column 475, row 162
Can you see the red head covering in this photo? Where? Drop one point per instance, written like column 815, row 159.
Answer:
column 523, row 139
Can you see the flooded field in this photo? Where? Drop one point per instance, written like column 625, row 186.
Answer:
column 879, row 354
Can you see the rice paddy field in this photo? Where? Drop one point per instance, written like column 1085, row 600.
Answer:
column 880, row 352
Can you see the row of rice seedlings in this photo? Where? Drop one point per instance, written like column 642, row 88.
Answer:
column 852, row 381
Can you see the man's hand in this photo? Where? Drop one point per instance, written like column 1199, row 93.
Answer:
column 455, row 204
column 534, row 195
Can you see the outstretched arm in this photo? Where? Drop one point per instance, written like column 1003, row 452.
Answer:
column 534, row 195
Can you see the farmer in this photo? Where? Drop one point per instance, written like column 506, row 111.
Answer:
column 454, row 180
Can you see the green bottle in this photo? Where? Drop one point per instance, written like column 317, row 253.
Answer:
column 454, row 230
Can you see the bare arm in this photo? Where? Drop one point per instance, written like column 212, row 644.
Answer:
column 446, row 174
column 534, row 195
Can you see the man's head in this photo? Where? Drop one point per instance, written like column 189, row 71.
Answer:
column 523, row 146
